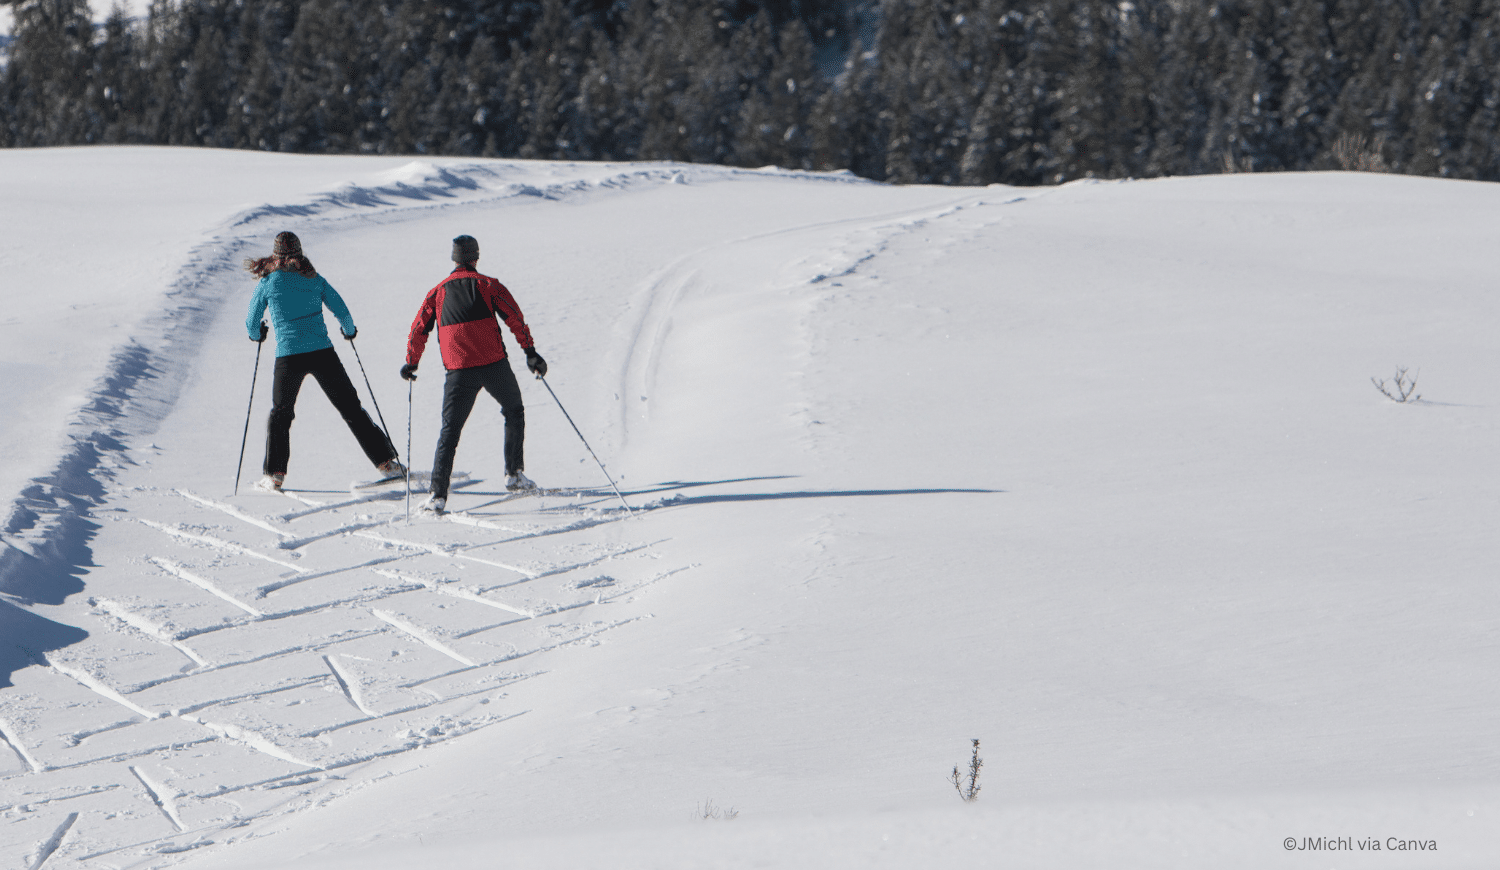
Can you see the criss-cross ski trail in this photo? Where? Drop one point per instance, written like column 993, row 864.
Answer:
column 252, row 656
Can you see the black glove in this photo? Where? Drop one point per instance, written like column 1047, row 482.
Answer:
column 350, row 336
column 265, row 330
column 409, row 372
column 535, row 364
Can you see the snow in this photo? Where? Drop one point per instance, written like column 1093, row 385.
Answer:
column 1095, row 474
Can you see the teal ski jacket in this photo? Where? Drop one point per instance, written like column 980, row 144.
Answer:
column 296, row 306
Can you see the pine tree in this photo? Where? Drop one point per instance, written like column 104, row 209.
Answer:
column 1140, row 38
column 774, row 99
column 546, row 78
column 253, row 119
column 1314, row 78
column 1249, row 133
column 1089, row 95
column 494, row 125
column 48, row 76
column 1035, row 157
column 680, row 35
column 612, row 100
column 1180, row 92
column 1479, row 154
column 846, row 131
column 407, row 116
column 324, row 71
column 900, row 80
column 202, row 33
column 1470, row 116
column 1441, row 114
column 116, row 94
column 1376, row 45
column 942, row 97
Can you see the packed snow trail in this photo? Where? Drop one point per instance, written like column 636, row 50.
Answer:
column 244, row 660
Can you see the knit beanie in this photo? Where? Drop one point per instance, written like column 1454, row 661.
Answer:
column 465, row 249
column 287, row 245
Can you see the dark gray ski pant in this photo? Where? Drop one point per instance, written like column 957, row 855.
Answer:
column 459, row 392
column 326, row 369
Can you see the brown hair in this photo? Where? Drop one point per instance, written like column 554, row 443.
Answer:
column 260, row 267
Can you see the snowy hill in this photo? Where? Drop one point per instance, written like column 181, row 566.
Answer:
column 1094, row 474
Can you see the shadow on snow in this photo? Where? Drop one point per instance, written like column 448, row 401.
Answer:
column 671, row 485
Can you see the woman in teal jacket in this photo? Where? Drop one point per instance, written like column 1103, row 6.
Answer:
column 294, row 294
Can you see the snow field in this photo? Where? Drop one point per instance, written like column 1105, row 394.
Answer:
column 1094, row 473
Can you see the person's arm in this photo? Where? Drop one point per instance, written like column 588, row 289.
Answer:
column 335, row 303
column 253, row 324
column 416, row 338
column 505, row 306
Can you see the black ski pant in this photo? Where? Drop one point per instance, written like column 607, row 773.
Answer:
column 459, row 392
column 326, row 369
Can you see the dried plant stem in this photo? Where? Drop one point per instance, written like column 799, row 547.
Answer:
column 968, row 790
column 1403, row 390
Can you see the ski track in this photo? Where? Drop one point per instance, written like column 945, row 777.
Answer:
column 149, row 628
column 234, row 512
column 7, row 734
column 159, row 796
column 350, row 687
column 206, row 585
column 46, row 849
column 216, row 543
column 251, row 712
column 460, row 593
column 225, row 697
column 854, row 241
column 448, row 553
column 424, row 636
column 299, row 543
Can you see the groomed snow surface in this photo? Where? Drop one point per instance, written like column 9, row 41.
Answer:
column 1093, row 474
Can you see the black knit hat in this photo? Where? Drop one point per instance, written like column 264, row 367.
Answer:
column 465, row 249
column 287, row 245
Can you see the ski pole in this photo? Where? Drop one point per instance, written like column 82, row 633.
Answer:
column 388, row 442
column 246, row 437
column 586, row 444
column 409, row 385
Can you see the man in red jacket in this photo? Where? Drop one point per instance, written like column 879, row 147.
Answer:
column 464, row 307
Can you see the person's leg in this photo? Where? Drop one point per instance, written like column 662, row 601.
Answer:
column 331, row 376
column 459, row 391
column 500, row 382
column 286, row 381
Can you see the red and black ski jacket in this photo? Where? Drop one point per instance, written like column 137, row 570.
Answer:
column 463, row 308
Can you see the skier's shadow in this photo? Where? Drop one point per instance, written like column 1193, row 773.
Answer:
column 717, row 498
column 651, row 489
column 684, row 500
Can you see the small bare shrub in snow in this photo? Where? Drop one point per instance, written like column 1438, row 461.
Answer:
column 968, row 787
column 1403, row 390
column 707, row 811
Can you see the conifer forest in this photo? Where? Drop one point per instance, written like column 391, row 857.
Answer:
column 911, row 91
